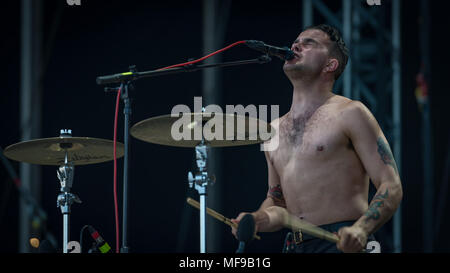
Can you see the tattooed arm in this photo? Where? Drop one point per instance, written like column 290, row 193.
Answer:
column 274, row 197
column 389, row 190
column 376, row 156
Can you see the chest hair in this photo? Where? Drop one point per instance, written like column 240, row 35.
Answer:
column 294, row 128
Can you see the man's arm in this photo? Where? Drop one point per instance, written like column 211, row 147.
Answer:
column 376, row 156
column 274, row 197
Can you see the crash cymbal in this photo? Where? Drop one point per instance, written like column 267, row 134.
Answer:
column 51, row 151
column 219, row 130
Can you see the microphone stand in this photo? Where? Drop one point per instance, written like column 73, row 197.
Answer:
column 125, row 80
column 126, row 135
column 127, row 113
column 135, row 75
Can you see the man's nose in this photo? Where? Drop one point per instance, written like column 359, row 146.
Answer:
column 295, row 47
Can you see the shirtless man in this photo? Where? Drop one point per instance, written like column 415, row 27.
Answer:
column 329, row 147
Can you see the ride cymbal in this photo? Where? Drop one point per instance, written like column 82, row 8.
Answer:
column 218, row 130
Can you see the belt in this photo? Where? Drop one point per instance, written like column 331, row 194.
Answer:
column 299, row 236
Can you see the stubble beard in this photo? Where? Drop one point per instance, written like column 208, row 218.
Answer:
column 297, row 71
column 293, row 71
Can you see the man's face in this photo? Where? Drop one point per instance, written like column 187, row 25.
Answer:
column 311, row 53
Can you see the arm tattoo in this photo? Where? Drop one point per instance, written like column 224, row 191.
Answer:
column 377, row 202
column 386, row 154
column 276, row 193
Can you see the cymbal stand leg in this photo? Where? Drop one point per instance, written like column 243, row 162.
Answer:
column 200, row 181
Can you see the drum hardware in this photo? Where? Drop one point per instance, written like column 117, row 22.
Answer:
column 158, row 130
column 64, row 151
column 200, row 182
column 125, row 79
column 65, row 199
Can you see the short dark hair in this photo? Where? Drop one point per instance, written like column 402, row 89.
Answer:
column 338, row 50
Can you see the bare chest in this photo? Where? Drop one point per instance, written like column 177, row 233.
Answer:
column 312, row 138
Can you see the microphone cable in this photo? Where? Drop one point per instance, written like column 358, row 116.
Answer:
column 81, row 237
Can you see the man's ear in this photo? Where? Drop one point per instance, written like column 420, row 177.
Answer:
column 332, row 65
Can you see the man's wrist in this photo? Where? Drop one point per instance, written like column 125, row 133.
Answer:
column 362, row 227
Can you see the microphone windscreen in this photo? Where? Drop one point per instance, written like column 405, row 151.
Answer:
column 246, row 228
column 257, row 45
column 289, row 54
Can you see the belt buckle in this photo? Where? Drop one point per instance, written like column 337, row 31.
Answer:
column 298, row 237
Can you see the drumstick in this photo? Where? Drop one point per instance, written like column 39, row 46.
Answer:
column 293, row 222
column 216, row 215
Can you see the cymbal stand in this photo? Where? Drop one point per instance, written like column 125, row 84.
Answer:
column 200, row 181
column 65, row 199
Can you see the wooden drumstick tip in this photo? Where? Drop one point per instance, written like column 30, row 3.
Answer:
column 34, row 242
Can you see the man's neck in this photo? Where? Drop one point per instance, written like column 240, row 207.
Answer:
column 309, row 95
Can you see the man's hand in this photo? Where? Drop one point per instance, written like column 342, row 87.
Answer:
column 351, row 239
column 236, row 221
column 266, row 220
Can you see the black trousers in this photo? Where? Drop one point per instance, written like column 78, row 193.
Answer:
column 298, row 242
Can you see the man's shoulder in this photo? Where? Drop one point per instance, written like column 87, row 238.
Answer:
column 350, row 107
column 354, row 114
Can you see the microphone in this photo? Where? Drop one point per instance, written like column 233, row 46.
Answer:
column 102, row 245
column 245, row 231
column 284, row 53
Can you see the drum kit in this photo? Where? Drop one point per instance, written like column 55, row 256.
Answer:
column 67, row 151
